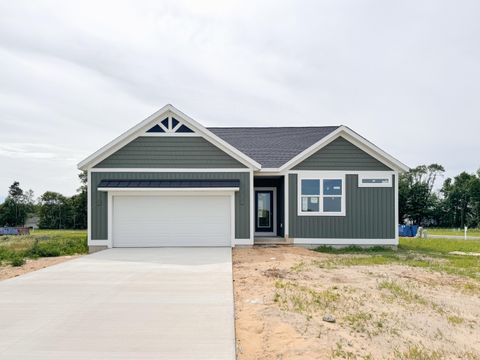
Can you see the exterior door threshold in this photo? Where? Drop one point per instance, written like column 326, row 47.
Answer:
column 271, row 240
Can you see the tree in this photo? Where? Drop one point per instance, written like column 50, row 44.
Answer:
column 417, row 199
column 16, row 206
column 60, row 212
column 79, row 203
column 53, row 211
column 462, row 199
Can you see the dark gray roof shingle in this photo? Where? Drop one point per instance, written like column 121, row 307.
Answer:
column 272, row 146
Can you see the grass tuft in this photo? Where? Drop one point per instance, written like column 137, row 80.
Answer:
column 417, row 352
column 291, row 296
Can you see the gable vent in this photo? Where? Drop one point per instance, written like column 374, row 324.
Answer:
column 169, row 126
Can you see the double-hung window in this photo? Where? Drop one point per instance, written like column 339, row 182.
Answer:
column 321, row 195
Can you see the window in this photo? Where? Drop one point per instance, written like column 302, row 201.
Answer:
column 322, row 195
column 375, row 179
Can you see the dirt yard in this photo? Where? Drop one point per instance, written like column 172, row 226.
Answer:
column 8, row 271
column 381, row 311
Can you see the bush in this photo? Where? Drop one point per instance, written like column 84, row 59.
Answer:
column 17, row 261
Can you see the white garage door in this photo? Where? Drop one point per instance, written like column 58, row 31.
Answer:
column 151, row 221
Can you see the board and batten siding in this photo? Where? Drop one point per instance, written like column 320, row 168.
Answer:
column 341, row 154
column 370, row 214
column 99, row 201
column 170, row 152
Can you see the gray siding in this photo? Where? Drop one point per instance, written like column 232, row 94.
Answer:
column 341, row 154
column 370, row 214
column 170, row 152
column 99, row 199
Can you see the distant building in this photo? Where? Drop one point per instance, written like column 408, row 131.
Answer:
column 32, row 221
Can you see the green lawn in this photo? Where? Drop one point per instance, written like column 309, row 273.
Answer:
column 431, row 254
column 455, row 232
column 42, row 243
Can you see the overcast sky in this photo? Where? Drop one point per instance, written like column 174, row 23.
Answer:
column 404, row 74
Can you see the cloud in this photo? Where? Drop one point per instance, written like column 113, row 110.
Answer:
column 75, row 75
column 35, row 151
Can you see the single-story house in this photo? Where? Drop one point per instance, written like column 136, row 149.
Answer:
column 169, row 181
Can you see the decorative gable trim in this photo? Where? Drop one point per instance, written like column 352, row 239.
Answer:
column 168, row 112
column 170, row 126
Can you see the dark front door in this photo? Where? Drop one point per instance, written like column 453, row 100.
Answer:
column 264, row 211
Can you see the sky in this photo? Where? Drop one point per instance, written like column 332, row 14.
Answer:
column 75, row 75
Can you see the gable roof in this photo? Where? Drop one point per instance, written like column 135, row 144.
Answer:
column 272, row 146
column 266, row 148
column 141, row 128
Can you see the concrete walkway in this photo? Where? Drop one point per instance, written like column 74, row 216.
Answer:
column 168, row 303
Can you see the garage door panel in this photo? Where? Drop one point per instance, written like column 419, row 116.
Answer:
column 151, row 221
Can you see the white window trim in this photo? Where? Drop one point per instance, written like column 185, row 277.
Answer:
column 375, row 175
column 320, row 176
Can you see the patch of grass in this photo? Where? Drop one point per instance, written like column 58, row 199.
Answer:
column 469, row 288
column 302, row 299
column 455, row 320
column 352, row 249
column 400, row 292
column 454, row 232
column 43, row 243
column 17, row 261
column 299, row 267
column 439, row 246
column 418, row 352
column 432, row 254
column 359, row 321
column 341, row 353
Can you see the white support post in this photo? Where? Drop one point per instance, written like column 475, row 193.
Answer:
column 89, row 206
column 285, row 204
column 252, row 208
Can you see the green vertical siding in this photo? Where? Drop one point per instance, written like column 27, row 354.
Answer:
column 341, row 154
column 170, row 152
column 99, row 204
column 370, row 214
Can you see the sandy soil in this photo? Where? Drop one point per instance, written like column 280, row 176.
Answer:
column 7, row 271
column 381, row 312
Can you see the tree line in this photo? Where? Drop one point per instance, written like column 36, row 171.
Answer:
column 54, row 210
column 455, row 204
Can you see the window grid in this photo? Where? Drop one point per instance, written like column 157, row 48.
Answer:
column 314, row 204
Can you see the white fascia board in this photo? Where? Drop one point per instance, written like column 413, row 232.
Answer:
column 270, row 172
column 355, row 139
column 176, row 189
column 140, row 128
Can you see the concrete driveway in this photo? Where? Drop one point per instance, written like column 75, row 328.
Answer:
column 164, row 303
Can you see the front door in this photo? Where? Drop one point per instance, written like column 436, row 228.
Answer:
column 264, row 212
